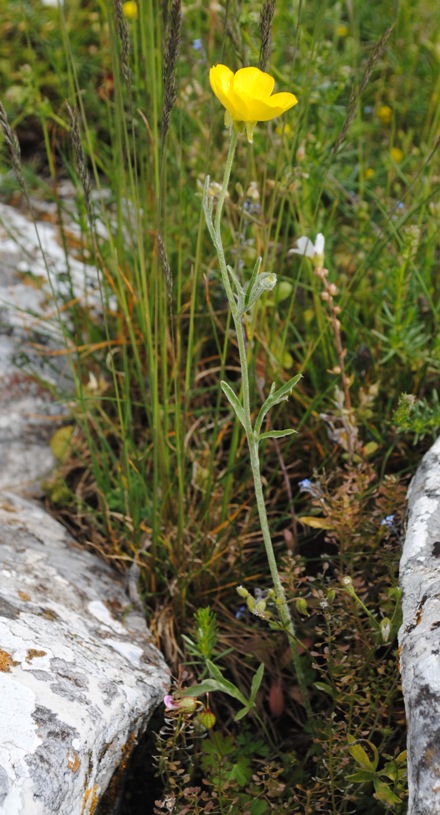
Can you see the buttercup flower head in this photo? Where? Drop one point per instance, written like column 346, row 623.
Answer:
column 247, row 97
column 384, row 114
column 396, row 154
column 130, row 9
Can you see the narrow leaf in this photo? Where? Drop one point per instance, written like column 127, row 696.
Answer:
column 285, row 389
column 360, row 776
column 234, row 401
column 385, row 794
column 235, row 281
column 207, row 686
column 315, row 522
column 274, row 398
column 212, row 685
column 214, row 669
column 362, row 758
column 252, row 281
column 227, row 687
column 242, row 713
column 256, row 682
column 324, row 688
column 275, row 434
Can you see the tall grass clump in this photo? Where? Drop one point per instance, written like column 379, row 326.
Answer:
column 339, row 199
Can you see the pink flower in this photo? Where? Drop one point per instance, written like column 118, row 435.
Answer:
column 168, row 702
column 187, row 704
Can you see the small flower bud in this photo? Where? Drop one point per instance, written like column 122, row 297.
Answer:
column 250, row 602
column 242, row 592
column 385, row 628
column 260, row 607
column 187, row 704
column 301, row 606
column 333, row 290
column 206, row 718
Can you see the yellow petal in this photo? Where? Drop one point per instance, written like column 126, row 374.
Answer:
column 221, row 78
column 251, row 83
column 263, row 110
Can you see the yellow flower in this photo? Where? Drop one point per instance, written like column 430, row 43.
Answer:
column 246, row 95
column 130, row 10
column 396, row 154
column 342, row 30
column 384, row 114
column 369, row 172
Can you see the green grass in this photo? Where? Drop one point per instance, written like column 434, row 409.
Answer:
column 157, row 466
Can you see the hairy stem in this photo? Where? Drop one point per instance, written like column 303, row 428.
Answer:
column 251, row 435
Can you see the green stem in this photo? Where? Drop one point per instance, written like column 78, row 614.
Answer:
column 252, row 436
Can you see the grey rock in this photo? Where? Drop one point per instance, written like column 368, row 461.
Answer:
column 79, row 675
column 419, row 635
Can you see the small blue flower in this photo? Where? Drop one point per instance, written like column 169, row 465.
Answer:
column 312, row 487
column 241, row 613
column 197, row 45
column 388, row 521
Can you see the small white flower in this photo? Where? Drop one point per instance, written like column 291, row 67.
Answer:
column 314, row 251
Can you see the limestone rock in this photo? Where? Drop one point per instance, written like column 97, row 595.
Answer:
column 79, row 676
column 420, row 636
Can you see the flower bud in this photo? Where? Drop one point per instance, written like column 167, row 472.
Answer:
column 301, row 606
column 250, row 602
column 385, row 628
column 206, row 718
column 185, row 704
column 242, row 592
column 260, row 607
